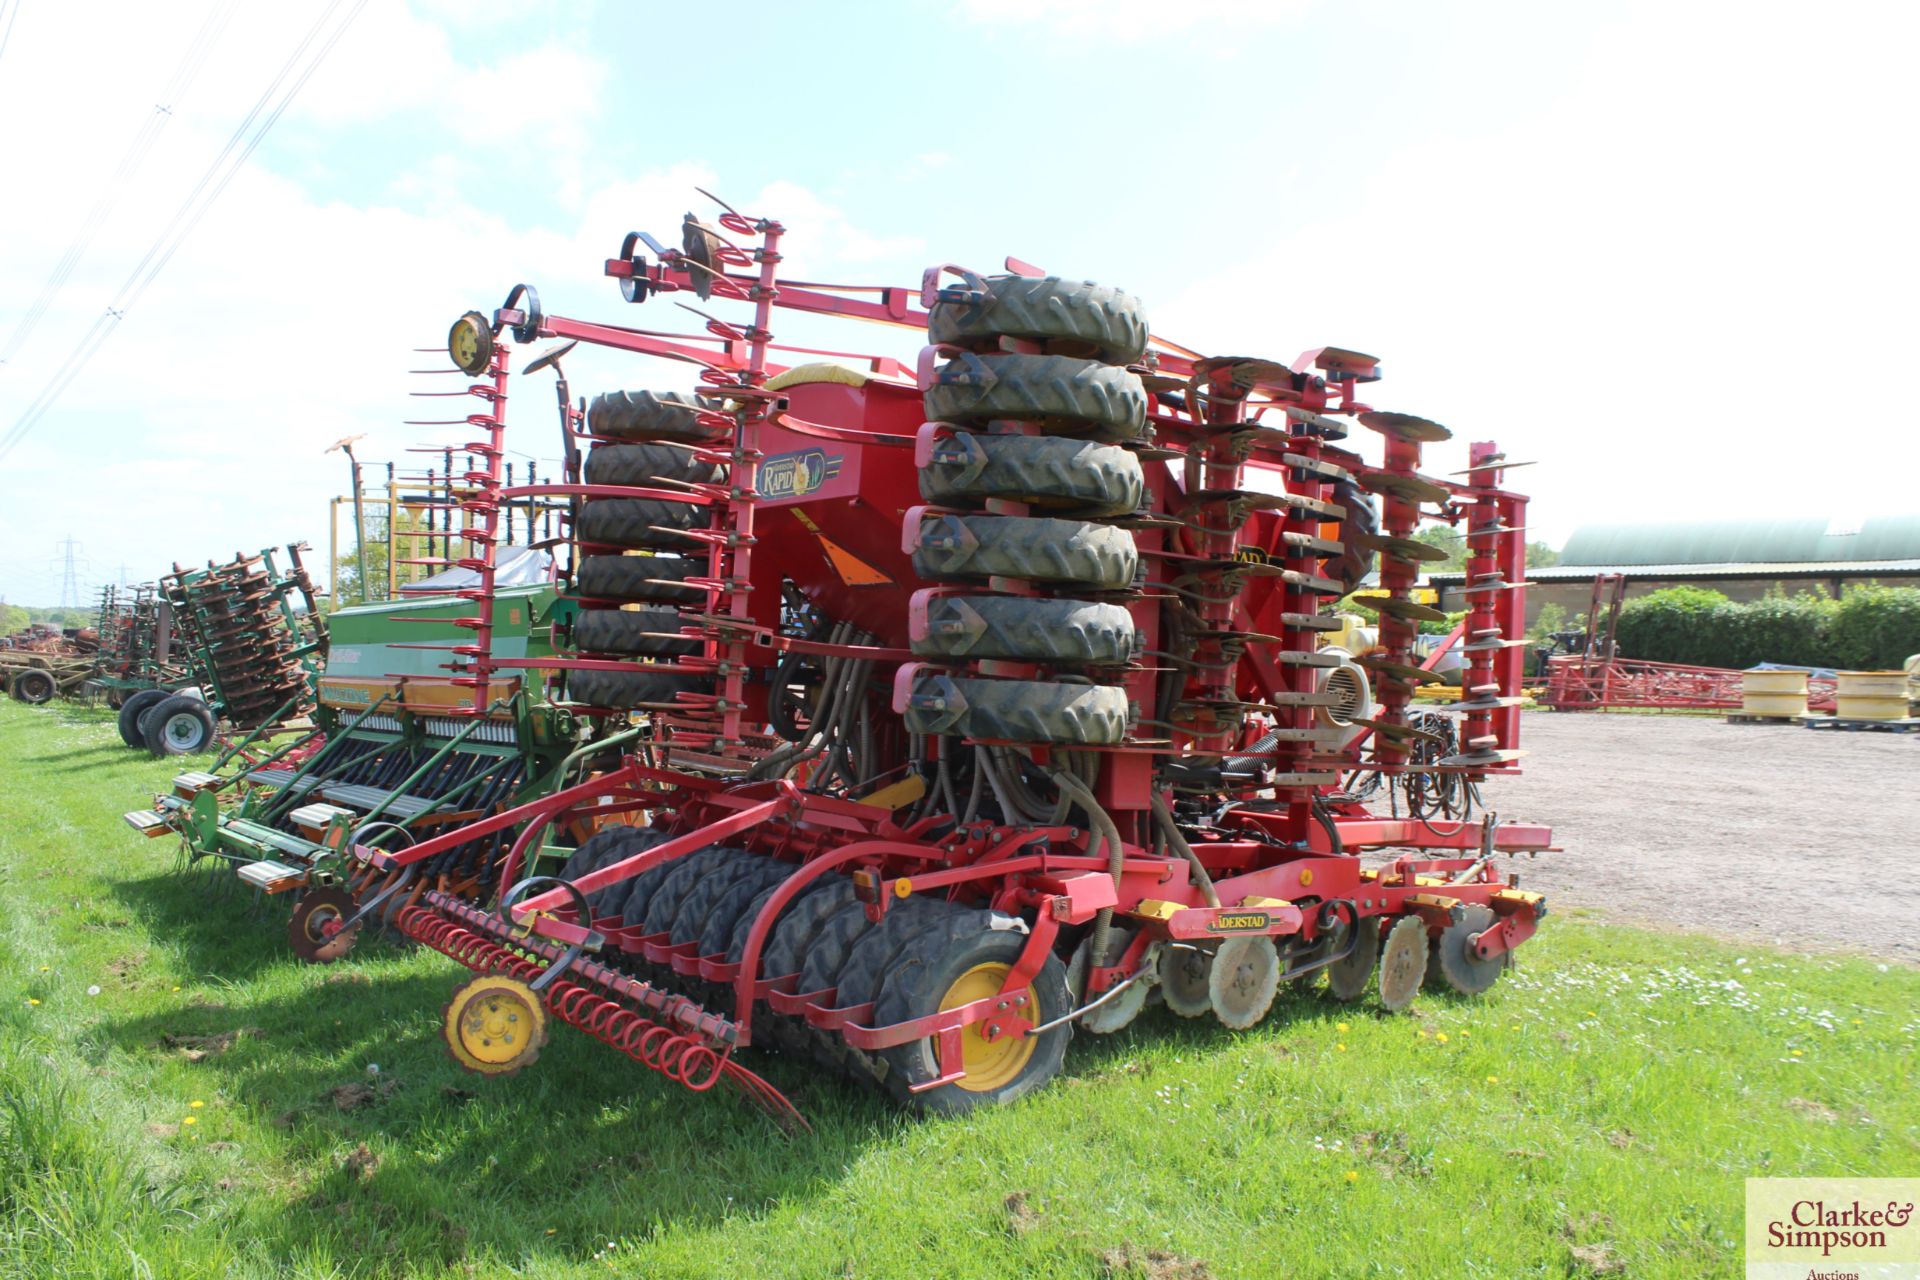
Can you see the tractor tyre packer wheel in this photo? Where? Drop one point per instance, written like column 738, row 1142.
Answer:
column 641, row 578
column 1095, row 557
column 1024, row 629
column 1077, row 477
column 1070, row 316
column 634, row 688
column 940, row 971
column 649, row 632
column 1060, row 393
column 644, row 465
column 651, row 415
column 1061, row 713
column 602, row 849
column 639, row 523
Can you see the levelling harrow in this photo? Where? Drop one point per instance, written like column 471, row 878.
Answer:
column 983, row 697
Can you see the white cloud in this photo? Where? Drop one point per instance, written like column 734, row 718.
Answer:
column 1136, row 21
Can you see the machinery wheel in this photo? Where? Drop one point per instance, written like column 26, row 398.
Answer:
column 644, row 465
column 1046, row 471
column 958, row 547
column 115, row 699
column 704, row 894
column 1060, row 393
column 638, row 522
column 1088, row 715
column 873, row 956
column 643, row 631
column 494, row 1025
column 937, row 972
column 664, row 904
column 603, row 849
column 640, row 890
column 1186, row 979
column 1243, row 981
column 1118, row 1012
column 641, row 578
column 131, row 711
column 1026, row 630
column 792, row 937
column 651, row 415
column 742, row 900
column 635, row 688
column 1403, row 962
column 1082, row 317
column 179, row 726
column 1452, row 960
column 34, row 687
column 1347, row 977
column 315, row 932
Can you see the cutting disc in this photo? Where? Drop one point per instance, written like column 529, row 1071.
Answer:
column 1405, row 426
column 1184, row 972
column 1399, row 671
column 1409, row 488
column 1122, row 1009
column 1245, row 976
column 1453, row 960
column 1399, row 548
column 316, row 931
column 1403, row 962
column 1399, row 608
column 1347, row 976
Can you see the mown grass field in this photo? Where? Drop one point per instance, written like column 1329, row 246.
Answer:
column 181, row 1098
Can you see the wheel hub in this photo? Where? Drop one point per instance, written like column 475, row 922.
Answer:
column 991, row 1060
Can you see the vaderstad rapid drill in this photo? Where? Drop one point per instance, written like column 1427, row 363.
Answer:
column 979, row 701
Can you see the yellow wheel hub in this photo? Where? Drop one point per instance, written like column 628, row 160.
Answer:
column 990, row 1064
column 494, row 1024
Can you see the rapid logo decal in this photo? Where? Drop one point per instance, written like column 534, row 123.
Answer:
column 795, row 475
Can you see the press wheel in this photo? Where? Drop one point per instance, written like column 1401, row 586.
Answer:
column 1185, row 971
column 494, row 1025
column 1403, row 962
column 1347, row 977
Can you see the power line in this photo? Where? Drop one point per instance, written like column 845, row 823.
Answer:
column 186, row 218
column 8, row 12
column 130, row 163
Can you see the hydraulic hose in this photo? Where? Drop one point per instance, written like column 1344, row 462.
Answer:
column 1163, row 818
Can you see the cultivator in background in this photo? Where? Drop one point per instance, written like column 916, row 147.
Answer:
column 981, row 702
column 398, row 753
column 137, row 645
column 252, row 653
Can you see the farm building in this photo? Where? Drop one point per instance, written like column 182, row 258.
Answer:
column 1742, row 559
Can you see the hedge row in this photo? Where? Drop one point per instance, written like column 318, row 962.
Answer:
column 1867, row 629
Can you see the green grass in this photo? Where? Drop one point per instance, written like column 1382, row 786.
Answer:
column 1600, row 1107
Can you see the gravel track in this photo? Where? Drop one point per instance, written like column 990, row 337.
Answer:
column 1776, row 833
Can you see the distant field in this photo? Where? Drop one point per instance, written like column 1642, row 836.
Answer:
column 179, row 1097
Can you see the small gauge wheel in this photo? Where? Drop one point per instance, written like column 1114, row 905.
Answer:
column 470, row 343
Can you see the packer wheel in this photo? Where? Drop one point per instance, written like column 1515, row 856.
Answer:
column 936, row 972
column 1452, row 960
column 494, row 1025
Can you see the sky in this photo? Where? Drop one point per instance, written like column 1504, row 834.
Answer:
column 1667, row 250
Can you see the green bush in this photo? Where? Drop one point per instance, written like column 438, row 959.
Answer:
column 1869, row 628
column 1875, row 628
column 1674, row 625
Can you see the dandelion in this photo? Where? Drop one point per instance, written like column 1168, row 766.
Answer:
column 32, row 1001
column 1493, row 1079
column 1592, row 1014
column 1514, row 1027
column 46, row 968
column 1796, row 1052
column 93, row 990
column 1858, row 1023
column 551, row 1230
column 1465, row 1034
column 176, row 991
column 196, row 1104
column 191, row 1120
column 1352, row 1176
column 1342, row 1048
column 1343, row 1028
column 1440, row 1037
column 1421, row 1032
